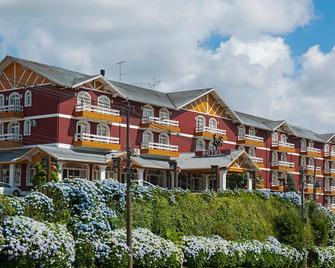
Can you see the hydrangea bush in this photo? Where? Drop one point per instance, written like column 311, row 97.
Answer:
column 322, row 257
column 39, row 206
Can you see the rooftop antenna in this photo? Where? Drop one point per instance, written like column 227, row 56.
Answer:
column 120, row 69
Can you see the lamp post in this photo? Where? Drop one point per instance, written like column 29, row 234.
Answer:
column 302, row 172
column 173, row 168
column 314, row 182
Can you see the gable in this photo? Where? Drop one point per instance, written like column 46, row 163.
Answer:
column 207, row 104
column 16, row 76
column 242, row 163
column 285, row 128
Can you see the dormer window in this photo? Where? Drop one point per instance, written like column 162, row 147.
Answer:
column 148, row 111
column 275, row 136
column 241, row 131
column 252, row 131
column 283, row 138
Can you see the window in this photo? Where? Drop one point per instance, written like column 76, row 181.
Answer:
column 2, row 101
column 163, row 138
column 241, row 131
column 200, row 145
column 274, row 178
column 283, row 138
column 148, row 111
column 164, row 114
column 311, row 144
column 1, row 129
column 252, row 152
column 327, row 166
column 103, row 130
column 17, row 175
column 27, row 127
column 213, row 124
column 283, row 157
column 83, row 127
column 14, row 128
column 303, row 161
column 4, row 173
column 252, row 131
column 303, row 144
column 96, row 173
column 75, row 170
column 147, row 137
column 30, row 174
column 275, row 136
column 83, row 98
column 311, row 161
column 326, row 148
column 274, row 156
column 104, row 101
column 111, row 173
column 200, row 122
column 333, row 148
column 14, row 100
column 27, row 98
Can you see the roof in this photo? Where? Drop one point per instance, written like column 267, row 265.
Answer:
column 151, row 163
column 182, row 98
column 257, row 122
column 326, row 137
column 306, row 133
column 9, row 156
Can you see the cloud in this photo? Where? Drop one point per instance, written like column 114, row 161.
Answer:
column 253, row 68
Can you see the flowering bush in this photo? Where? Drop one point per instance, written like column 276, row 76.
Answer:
column 39, row 206
column 217, row 252
column 18, row 205
column 322, row 257
column 27, row 242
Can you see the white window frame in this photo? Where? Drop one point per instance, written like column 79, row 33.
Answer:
column 29, row 174
column 99, row 128
column 151, row 139
column 241, row 131
column 166, row 136
column 252, row 152
column 28, row 99
column 283, row 157
column 203, row 145
column 303, row 161
column 274, row 156
column 303, row 143
column 275, row 178
column 311, row 144
column 211, row 125
column 104, row 101
column 96, row 173
column 27, row 127
column 2, row 128
column 11, row 125
column 84, row 98
column 148, row 107
column 14, row 96
column 252, row 131
column 275, row 136
column 17, row 175
column 166, row 112
column 311, row 161
column 283, row 138
column 2, row 100
column 72, row 166
column 197, row 122
column 85, row 123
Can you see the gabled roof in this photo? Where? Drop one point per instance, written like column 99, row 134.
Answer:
column 326, row 137
column 182, row 98
column 255, row 121
column 10, row 156
column 306, row 133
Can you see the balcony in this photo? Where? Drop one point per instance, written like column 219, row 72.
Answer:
column 90, row 141
column 87, row 111
column 10, row 140
column 258, row 161
column 11, row 111
column 208, row 132
column 311, row 169
column 311, row 152
column 283, row 166
column 153, row 148
column 330, row 190
column 250, row 140
column 160, row 124
column 309, row 189
column 283, row 146
column 329, row 155
column 329, row 172
column 277, row 188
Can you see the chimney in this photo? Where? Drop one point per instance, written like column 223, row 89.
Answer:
column 102, row 72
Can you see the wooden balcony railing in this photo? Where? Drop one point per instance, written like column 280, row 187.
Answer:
column 86, row 140
column 162, row 124
column 97, row 112
column 283, row 166
column 208, row 132
column 283, row 146
column 311, row 152
column 250, row 140
column 11, row 111
column 154, row 148
column 10, row 140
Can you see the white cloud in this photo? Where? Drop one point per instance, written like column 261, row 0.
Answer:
column 254, row 69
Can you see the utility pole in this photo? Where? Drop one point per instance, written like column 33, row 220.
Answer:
column 120, row 69
column 302, row 171
column 314, row 182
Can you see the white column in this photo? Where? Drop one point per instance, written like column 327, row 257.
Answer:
column 60, row 170
column 207, row 182
column 249, row 181
column 102, row 170
column 172, row 179
column 140, row 176
column 12, row 174
column 222, row 179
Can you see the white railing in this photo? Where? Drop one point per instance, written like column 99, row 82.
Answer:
column 283, row 163
column 211, row 130
column 11, row 108
column 282, row 143
column 330, row 170
column 96, row 109
column 310, row 149
column 329, row 153
column 330, row 188
column 96, row 138
column 160, row 146
column 331, row 206
column 309, row 167
column 161, row 121
column 257, row 159
column 250, row 137
column 10, row 137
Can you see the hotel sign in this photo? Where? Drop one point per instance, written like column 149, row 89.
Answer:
column 211, row 153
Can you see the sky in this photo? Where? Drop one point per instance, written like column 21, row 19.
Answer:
column 271, row 58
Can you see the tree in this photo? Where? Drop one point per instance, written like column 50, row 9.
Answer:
column 40, row 176
column 291, row 184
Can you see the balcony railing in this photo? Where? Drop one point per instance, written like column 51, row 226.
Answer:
column 310, row 149
column 96, row 138
column 330, row 189
column 11, row 108
column 329, row 170
column 11, row 137
column 257, row 159
column 251, row 137
column 312, row 168
column 161, row 121
column 96, row 109
column 210, row 130
column 282, row 164
column 331, row 154
column 160, row 146
column 282, row 143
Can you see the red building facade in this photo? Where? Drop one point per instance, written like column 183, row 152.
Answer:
column 78, row 121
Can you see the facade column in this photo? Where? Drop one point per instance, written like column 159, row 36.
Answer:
column 172, row 179
column 140, row 176
column 12, row 175
column 222, row 179
column 60, row 170
column 102, row 170
column 249, row 181
column 206, row 182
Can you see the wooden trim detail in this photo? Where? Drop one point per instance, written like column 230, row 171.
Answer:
column 97, row 116
column 97, row 145
column 160, row 152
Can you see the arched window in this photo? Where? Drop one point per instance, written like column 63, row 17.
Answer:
column 103, row 130
column 283, row 137
column 311, row 144
column 332, row 148
column 311, row 161
column 252, row 131
column 274, row 156
column 213, row 124
column 326, row 148
column 148, row 111
column 303, row 161
column 104, row 101
column 163, row 138
column 275, row 136
column 2, row 101
column 27, row 98
column 252, row 152
column 14, row 128
column 83, row 98
column 274, row 179
column 147, row 137
column 327, row 166
column 283, row 157
column 241, row 131
column 83, row 127
column 1, row 129
column 303, row 144
column 200, row 145
column 27, row 127
column 164, row 113
column 14, row 99
column 200, row 122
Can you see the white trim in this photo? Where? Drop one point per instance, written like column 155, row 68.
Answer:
column 87, row 81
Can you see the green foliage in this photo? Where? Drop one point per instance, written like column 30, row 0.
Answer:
column 291, row 187
column 41, row 175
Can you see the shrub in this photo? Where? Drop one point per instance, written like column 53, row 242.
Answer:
column 321, row 257
column 39, row 206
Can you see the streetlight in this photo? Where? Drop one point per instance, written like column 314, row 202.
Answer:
column 173, row 168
